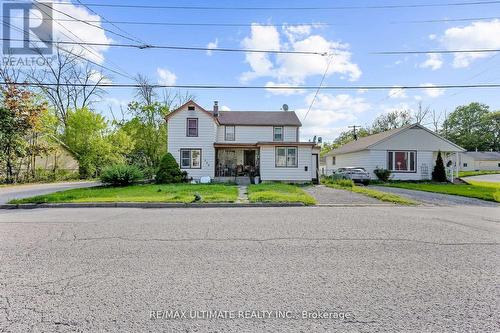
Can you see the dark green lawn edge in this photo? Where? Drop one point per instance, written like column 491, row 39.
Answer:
column 379, row 195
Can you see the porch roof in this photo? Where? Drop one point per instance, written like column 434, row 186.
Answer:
column 235, row 145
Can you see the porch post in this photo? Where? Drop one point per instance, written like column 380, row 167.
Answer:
column 457, row 164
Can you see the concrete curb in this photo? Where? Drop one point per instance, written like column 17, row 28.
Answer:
column 146, row 205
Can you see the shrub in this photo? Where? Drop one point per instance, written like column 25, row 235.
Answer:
column 382, row 174
column 169, row 171
column 439, row 173
column 121, row 175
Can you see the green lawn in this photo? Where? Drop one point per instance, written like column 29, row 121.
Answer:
column 382, row 196
column 176, row 193
column 475, row 173
column 478, row 190
column 277, row 192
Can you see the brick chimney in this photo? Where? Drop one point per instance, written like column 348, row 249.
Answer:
column 216, row 108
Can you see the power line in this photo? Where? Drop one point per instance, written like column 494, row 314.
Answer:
column 106, row 20
column 319, row 87
column 449, row 4
column 121, row 71
column 170, row 47
column 232, row 25
column 218, row 49
column 210, row 86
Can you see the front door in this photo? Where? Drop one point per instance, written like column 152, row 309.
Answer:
column 314, row 171
column 249, row 158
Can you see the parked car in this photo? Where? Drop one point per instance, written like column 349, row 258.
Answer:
column 358, row 175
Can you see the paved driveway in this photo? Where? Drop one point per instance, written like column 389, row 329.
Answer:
column 436, row 199
column 9, row 193
column 494, row 178
column 397, row 269
column 329, row 196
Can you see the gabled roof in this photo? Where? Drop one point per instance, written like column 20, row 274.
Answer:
column 483, row 155
column 259, row 118
column 248, row 118
column 371, row 140
column 189, row 103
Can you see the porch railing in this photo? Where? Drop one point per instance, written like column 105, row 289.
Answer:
column 235, row 171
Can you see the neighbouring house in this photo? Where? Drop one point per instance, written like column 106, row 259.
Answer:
column 410, row 153
column 236, row 145
column 480, row 161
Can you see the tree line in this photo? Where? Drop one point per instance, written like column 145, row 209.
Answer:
column 41, row 119
column 473, row 126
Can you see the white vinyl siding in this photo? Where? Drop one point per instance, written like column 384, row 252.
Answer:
column 254, row 134
column 177, row 140
column 269, row 171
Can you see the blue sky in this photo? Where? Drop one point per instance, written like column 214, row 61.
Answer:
column 354, row 34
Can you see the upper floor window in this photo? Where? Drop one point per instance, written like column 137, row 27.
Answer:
column 191, row 108
column 192, row 127
column 402, row 161
column 229, row 134
column 278, row 134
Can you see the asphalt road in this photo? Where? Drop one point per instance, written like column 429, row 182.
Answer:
column 9, row 193
column 494, row 178
column 388, row 269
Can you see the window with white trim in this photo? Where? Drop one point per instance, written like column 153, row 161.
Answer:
column 286, row 157
column 190, row 158
column 278, row 133
column 402, row 161
column 229, row 134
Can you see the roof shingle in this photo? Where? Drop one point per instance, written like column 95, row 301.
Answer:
column 259, row 118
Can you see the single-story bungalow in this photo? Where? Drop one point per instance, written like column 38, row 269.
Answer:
column 480, row 161
column 409, row 152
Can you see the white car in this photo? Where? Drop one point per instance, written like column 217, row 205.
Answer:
column 358, row 175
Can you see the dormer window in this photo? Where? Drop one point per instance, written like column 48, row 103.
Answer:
column 192, row 127
column 278, row 134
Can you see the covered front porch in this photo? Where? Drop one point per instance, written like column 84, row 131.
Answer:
column 233, row 161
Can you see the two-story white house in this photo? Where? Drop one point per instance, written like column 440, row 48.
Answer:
column 232, row 145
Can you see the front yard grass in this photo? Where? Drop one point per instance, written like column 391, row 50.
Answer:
column 382, row 196
column 475, row 173
column 277, row 192
column 478, row 190
column 175, row 193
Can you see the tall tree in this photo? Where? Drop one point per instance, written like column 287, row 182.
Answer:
column 20, row 114
column 469, row 127
column 391, row 120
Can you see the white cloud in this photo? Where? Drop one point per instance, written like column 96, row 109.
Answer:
column 434, row 62
column 74, row 30
column 477, row 35
column 432, row 92
column 96, row 76
column 397, row 93
column 327, row 111
column 283, row 92
column 225, row 108
column 166, row 77
column 432, row 36
column 294, row 69
column 212, row 45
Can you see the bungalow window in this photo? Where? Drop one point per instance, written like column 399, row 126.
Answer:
column 465, row 165
column 334, row 160
column 286, row 157
column 402, row 161
column 278, row 134
column 192, row 127
column 229, row 133
column 190, row 158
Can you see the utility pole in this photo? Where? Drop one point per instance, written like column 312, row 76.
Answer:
column 354, row 131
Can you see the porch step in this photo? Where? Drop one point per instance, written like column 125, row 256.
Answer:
column 244, row 180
